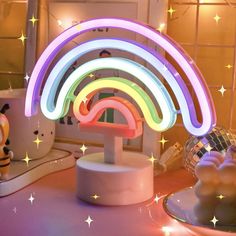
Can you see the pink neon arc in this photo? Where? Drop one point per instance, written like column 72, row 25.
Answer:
column 185, row 62
column 89, row 119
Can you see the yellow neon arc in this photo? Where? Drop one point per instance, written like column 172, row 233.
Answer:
column 133, row 90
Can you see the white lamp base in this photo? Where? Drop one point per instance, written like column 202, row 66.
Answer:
column 107, row 184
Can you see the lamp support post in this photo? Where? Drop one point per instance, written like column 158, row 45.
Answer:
column 113, row 147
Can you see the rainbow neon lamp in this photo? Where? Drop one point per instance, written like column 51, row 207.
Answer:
column 130, row 180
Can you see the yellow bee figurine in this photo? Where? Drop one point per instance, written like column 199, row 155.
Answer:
column 5, row 154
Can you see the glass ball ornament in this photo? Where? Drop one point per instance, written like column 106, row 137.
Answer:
column 218, row 139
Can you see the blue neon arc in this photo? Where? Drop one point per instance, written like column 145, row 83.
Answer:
column 135, row 69
column 155, row 59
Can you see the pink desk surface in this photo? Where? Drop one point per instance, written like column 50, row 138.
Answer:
column 56, row 211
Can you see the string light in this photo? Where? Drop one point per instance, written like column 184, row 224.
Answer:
column 59, row 22
column 161, row 27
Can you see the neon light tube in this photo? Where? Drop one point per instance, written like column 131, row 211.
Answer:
column 188, row 66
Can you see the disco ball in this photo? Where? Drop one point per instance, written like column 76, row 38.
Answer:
column 219, row 139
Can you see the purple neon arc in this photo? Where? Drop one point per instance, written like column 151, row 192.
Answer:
column 185, row 62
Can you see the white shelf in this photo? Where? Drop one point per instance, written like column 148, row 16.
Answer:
column 21, row 174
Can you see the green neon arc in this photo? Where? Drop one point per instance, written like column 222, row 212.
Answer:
column 132, row 89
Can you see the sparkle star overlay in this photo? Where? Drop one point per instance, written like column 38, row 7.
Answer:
column 27, row 78
column 33, row 20
column 85, row 100
column 38, row 141
column 171, row 11
column 220, row 197
column 26, row 159
column 217, row 18
column 228, row 66
column 208, row 148
column 83, row 148
column 89, row 220
column 95, row 196
column 163, row 141
column 222, row 90
column 31, row 199
column 152, row 159
column 214, row 221
column 22, row 38
column 156, row 199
